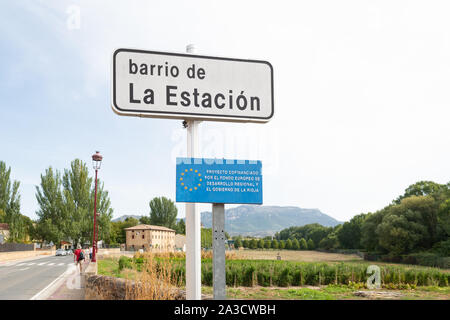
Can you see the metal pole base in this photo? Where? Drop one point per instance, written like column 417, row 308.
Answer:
column 218, row 235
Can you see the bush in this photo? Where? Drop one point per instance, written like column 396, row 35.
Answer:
column 125, row 262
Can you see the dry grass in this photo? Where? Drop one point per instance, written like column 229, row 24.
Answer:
column 293, row 255
column 155, row 281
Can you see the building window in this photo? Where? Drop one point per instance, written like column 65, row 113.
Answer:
column 143, row 237
column 132, row 237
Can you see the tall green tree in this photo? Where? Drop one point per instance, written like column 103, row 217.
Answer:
column 288, row 244
column 237, row 243
column 260, row 244
column 163, row 212
column 311, row 244
column 296, row 244
column 274, row 244
column 303, row 244
column 10, row 206
column 52, row 219
column 67, row 205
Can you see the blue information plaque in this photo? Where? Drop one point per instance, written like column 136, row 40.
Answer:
column 219, row 181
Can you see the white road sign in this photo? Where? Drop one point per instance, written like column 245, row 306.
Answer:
column 184, row 86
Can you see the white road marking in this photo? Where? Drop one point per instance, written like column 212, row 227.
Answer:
column 21, row 264
column 30, row 264
column 50, row 264
column 9, row 264
column 41, row 264
column 38, row 295
column 61, row 264
column 24, row 269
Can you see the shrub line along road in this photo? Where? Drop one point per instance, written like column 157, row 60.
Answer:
column 22, row 280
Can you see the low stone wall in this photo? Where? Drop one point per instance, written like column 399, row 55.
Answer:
column 9, row 247
column 110, row 288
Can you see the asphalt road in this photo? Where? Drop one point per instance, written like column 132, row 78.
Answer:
column 24, row 279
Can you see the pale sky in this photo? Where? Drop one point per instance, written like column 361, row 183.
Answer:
column 362, row 102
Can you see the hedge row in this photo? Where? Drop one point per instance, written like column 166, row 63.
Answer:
column 427, row 259
column 289, row 273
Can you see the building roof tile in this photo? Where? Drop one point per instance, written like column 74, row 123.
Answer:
column 149, row 227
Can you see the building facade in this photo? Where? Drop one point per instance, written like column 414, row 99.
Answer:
column 180, row 242
column 150, row 238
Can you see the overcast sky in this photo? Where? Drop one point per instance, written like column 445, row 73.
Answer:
column 361, row 96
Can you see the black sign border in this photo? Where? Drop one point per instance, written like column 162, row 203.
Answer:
column 201, row 116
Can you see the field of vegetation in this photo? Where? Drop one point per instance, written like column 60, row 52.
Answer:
column 332, row 278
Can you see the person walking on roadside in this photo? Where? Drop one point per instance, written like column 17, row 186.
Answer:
column 78, row 257
column 90, row 253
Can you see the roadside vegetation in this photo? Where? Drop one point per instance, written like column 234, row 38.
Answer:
column 413, row 229
column 268, row 273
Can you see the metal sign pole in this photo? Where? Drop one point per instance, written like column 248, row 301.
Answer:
column 219, row 284
column 193, row 230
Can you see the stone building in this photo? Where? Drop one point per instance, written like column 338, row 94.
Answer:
column 148, row 237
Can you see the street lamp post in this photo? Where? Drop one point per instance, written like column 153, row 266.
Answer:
column 96, row 163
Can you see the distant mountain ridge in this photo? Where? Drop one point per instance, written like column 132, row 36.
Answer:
column 124, row 217
column 266, row 220
column 261, row 221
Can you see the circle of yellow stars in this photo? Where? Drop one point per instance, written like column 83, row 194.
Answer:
column 195, row 172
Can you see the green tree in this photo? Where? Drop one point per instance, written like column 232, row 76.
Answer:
column 66, row 206
column 288, row 244
column 421, row 188
column 253, row 244
column 405, row 227
column 311, row 244
column 119, row 229
column 206, row 238
column 163, row 212
column 349, row 235
column 369, row 236
column 144, row 220
column 261, row 244
column 180, row 228
column 329, row 242
column 237, row 243
column 281, row 244
column 10, row 205
column 267, row 244
column 295, row 244
column 53, row 224
column 303, row 244
column 274, row 244
column 78, row 204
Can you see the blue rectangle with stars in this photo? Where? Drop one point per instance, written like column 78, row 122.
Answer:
column 219, row 181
